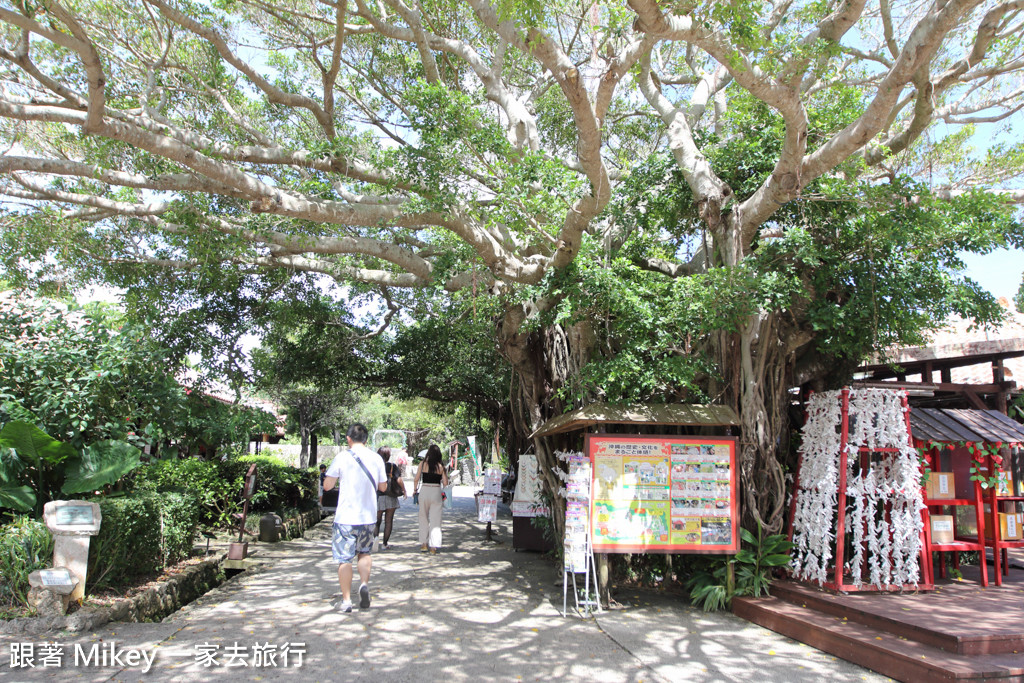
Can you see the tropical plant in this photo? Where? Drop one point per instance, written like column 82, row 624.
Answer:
column 35, row 467
column 25, row 546
column 754, row 566
column 708, row 586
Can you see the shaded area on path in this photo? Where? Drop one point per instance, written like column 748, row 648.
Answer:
column 478, row 610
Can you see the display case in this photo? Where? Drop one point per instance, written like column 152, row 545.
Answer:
column 933, row 462
column 1005, row 534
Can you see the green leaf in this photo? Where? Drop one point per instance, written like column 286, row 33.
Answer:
column 746, row 557
column 101, row 464
column 19, row 498
column 11, row 466
column 775, row 560
column 777, row 544
column 31, row 442
column 747, row 537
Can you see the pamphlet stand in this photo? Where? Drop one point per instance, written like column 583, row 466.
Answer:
column 578, row 557
column 590, row 603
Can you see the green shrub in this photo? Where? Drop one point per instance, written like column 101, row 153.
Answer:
column 25, row 546
column 180, row 519
column 278, row 485
column 219, row 496
column 141, row 534
column 218, row 484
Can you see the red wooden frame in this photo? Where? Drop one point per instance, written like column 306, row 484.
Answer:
column 590, row 443
column 998, row 545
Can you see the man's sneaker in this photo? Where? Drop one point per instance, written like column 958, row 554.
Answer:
column 345, row 607
column 364, row 596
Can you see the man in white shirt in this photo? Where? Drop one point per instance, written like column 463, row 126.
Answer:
column 359, row 474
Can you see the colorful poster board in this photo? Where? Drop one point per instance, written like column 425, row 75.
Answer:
column 663, row 494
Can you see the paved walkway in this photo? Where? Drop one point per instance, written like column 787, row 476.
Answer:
column 477, row 611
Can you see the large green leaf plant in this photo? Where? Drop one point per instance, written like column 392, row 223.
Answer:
column 35, row 467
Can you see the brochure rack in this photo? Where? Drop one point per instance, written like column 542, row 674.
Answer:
column 578, row 556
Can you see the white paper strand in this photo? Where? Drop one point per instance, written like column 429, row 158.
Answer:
column 883, row 502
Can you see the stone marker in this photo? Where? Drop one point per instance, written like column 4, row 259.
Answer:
column 72, row 522
column 270, row 528
column 51, row 591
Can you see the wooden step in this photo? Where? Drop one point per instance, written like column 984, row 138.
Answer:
column 943, row 619
column 876, row 649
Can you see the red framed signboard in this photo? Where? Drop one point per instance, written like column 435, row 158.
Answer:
column 663, row 494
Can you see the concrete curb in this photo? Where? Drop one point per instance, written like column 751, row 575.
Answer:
column 153, row 604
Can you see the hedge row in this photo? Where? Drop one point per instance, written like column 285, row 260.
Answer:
column 142, row 534
column 279, row 486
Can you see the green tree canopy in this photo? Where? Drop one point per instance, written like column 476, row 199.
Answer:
column 83, row 374
column 215, row 158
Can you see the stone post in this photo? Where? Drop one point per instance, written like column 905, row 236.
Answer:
column 72, row 522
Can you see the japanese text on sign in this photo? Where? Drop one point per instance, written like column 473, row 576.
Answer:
column 663, row 494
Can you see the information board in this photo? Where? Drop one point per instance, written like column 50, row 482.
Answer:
column 663, row 494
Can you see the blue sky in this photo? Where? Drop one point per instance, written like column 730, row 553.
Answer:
column 998, row 272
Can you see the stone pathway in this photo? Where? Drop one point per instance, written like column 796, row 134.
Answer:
column 477, row 611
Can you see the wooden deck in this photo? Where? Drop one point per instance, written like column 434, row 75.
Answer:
column 959, row 631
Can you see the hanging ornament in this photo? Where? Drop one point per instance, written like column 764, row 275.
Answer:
column 883, row 500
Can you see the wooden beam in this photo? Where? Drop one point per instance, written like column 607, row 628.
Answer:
column 974, row 400
column 941, row 386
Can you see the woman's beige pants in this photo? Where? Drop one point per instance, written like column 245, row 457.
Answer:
column 430, row 515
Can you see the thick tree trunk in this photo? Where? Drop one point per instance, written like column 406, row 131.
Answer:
column 544, row 361
column 313, row 459
column 763, row 399
column 755, row 366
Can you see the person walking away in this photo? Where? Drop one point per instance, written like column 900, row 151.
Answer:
column 387, row 502
column 431, row 473
column 400, row 457
column 359, row 474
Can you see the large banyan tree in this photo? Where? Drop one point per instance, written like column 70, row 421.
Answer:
column 635, row 200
